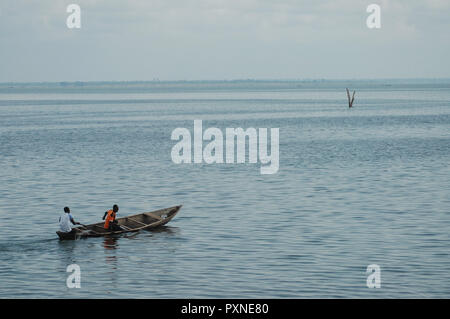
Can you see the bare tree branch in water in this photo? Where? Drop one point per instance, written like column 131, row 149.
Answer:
column 350, row 101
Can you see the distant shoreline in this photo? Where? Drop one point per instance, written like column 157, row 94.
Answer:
column 152, row 82
column 216, row 86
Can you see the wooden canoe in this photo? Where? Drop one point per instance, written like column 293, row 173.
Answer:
column 132, row 223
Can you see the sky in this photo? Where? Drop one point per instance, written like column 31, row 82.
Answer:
column 138, row 40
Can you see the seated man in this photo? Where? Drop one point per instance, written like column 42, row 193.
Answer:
column 111, row 222
column 66, row 220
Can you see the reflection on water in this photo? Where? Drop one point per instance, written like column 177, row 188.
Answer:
column 67, row 253
column 169, row 230
column 110, row 242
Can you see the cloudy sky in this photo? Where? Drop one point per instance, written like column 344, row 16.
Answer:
column 222, row 39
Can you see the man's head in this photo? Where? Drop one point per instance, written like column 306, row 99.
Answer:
column 115, row 208
column 67, row 209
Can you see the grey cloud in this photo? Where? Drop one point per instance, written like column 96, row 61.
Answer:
column 141, row 40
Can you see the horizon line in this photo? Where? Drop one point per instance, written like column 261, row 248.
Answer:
column 156, row 80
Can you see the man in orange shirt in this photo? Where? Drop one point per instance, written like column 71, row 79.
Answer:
column 111, row 222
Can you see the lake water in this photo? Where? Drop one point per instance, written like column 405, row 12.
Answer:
column 360, row 186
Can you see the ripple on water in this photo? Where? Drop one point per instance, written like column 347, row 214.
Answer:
column 355, row 187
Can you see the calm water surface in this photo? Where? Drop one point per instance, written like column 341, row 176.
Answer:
column 369, row 185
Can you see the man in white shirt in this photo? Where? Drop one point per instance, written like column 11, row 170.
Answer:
column 66, row 220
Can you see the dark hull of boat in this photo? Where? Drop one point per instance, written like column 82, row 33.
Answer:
column 133, row 223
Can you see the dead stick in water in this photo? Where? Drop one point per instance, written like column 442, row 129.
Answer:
column 350, row 101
